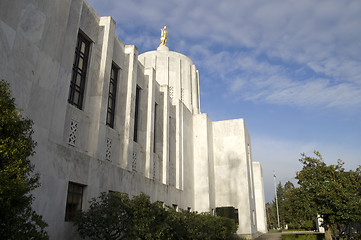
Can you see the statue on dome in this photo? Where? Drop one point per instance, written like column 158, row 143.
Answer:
column 163, row 36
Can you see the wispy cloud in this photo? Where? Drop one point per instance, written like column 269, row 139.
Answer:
column 302, row 53
column 316, row 93
column 250, row 78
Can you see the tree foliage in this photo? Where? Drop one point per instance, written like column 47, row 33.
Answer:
column 326, row 190
column 107, row 218
column 333, row 192
column 17, row 219
column 271, row 208
column 299, row 213
column 115, row 216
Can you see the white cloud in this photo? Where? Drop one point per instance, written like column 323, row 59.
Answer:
column 255, row 80
column 315, row 93
column 302, row 53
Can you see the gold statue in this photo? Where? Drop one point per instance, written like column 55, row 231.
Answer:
column 163, row 36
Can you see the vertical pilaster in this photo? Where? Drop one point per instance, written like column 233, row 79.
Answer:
column 252, row 202
column 259, row 197
column 198, row 94
column 125, row 161
column 201, row 135
column 150, row 123
column 195, row 90
column 165, row 175
column 179, row 145
column 99, row 89
column 178, row 135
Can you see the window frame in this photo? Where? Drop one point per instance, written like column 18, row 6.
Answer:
column 112, row 95
column 155, row 127
column 136, row 113
column 71, row 199
column 79, row 71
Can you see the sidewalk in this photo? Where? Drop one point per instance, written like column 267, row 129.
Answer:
column 272, row 236
column 278, row 235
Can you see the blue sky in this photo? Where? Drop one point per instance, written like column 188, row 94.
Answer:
column 291, row 69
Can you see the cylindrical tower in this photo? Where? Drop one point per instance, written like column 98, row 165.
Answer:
column 178, row 72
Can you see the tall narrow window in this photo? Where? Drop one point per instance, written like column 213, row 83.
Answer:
column 136, row 113
column 112, row 96
column 74, row 200
column 77, row 84
column 155, row 126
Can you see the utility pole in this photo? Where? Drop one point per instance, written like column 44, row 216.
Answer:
column 278, row 215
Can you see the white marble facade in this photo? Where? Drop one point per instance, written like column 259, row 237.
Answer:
column 180, row 157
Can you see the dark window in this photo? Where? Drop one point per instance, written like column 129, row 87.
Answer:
column 112, row 96
column 229, row 212
column 155, row 126
column 136, row 113
column 77, row 84
column 74, row 200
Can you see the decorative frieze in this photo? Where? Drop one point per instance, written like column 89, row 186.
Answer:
column 108, row 149
column 73, row 132
column 134, row 162
column 171, row 92
column 154, row 168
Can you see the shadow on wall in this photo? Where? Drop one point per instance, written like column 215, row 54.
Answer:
column 233, row 177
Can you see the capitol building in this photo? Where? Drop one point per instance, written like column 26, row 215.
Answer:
column 107, row 118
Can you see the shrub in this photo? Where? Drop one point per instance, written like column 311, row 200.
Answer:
column 303, row 236
column 115, row 216
column 229, row 212
column 108, row 217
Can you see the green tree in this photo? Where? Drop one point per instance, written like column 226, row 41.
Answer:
column 109, row 217
column 299, row 213
column 17, row 219
column 294, row 208
column 333, row 193
column 271, row 209
column 271, row 216
column 149, row 219
column 288, row 189
column 281, row 204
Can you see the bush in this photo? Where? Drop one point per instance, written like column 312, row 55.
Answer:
column 303, row 236
column 149, row 220
column 115, row 216
column 108, row 217
column 204, row 226
column 229, row 212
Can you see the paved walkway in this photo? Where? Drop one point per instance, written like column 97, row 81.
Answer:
column 278, row 236
column 271, row 236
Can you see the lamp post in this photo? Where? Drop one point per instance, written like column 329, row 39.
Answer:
column 278, row 216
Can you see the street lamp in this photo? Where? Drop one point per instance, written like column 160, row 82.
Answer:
column 278, row 215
